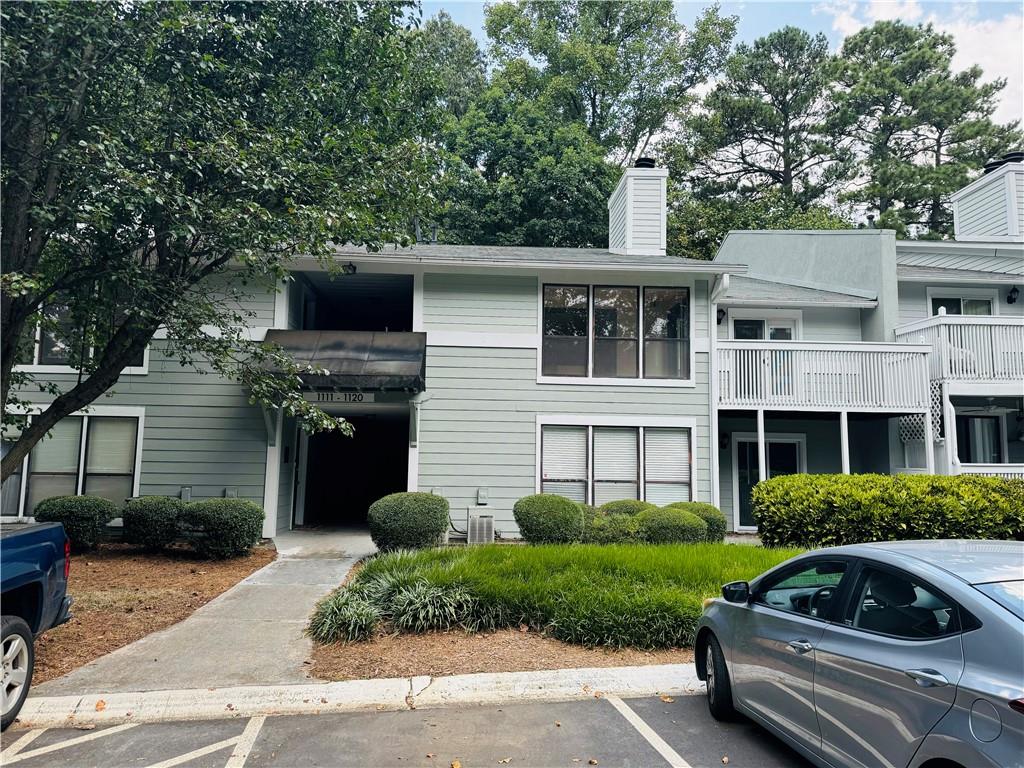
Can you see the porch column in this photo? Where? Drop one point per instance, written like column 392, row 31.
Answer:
column 949, row 434
column 762, row 454
column 844, row 440
column 929, row 443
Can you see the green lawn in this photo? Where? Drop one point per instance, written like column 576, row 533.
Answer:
column 644, row 596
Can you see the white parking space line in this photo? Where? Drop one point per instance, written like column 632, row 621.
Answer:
column 21, row 743
column 69, row 743
column 660, row 745
column 245, row 742
column 202, row 751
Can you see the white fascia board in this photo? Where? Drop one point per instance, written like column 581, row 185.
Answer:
column 850, row 304
column 463, row 264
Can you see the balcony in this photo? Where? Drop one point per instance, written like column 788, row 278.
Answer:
column 992, row 470
column 970, row 348
column 823, row 376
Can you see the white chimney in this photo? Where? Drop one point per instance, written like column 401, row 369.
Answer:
column 991, row 208
column 636, row 211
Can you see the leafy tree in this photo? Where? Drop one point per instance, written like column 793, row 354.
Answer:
column 518, row 175
column 697, row 225
column 921, row 128
column 452, row 66
column 147, row 147
column 770, row 122
column 624, row 69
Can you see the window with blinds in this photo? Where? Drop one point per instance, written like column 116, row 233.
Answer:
column 616, row 464
column 600, row 464
column 91, row 455
column 667, row 465
column 564, row 462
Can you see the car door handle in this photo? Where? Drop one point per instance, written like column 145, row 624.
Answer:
column 801, row 646
column 927, row 678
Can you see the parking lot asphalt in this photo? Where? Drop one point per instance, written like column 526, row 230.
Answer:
column 635, row 732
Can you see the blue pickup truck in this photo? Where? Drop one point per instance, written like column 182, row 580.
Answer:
column 34, row 564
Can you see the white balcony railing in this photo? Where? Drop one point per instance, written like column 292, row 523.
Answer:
column 970, row 347
column 993, row 470
column 822, row 375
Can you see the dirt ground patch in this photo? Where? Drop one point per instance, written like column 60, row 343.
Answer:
column 122, row 594
column 458, row 653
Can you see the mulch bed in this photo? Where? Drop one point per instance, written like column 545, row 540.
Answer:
column 457, row 653
column 122, row 594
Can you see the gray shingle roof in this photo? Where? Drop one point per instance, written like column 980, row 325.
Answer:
column 751, row 291
column 517, row 256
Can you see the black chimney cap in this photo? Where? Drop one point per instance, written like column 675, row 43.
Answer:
column 644, row 162
column 1010, row 157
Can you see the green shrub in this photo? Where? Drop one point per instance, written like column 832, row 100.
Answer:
column 408, row 521
column 222, row 528
column 629, row 507
column 671, row 526
column 548, row 519
column 343, row 617
column 423, row 607
column 611, row 529
column 84, row 517
column 709, row 513
column 829, row 510
column 152, row 522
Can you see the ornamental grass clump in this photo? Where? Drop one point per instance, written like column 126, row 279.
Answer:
column 344, row 616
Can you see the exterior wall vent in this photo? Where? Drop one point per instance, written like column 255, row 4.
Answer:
column 480, row 529
column 636, row 211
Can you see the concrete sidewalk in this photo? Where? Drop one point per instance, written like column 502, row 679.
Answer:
column 250, row 635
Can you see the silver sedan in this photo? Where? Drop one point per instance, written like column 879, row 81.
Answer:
column 901, row 654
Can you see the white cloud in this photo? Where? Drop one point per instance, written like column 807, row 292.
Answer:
column 993, row 44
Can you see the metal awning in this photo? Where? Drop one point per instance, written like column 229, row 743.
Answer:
column 364, row 361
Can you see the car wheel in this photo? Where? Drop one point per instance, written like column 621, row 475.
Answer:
column 18, row 659
column 719, row 688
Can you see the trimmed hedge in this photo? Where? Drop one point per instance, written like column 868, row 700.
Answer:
column 545, row 518
column 829, row 510
column 625, row 507
column 670, row 526
column 222, row 528
column 84, row 517
column 610, row 529
column 709, row 513
column 152, row 522
column 411, row 520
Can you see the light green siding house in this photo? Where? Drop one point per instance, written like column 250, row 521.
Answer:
column 485, row 374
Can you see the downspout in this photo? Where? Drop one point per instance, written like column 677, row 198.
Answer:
column 719, row 287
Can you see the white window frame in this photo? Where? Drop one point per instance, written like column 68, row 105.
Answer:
column 123, row 411
column 794, row 316
column 800, row 438
column 933, row 292
column 36, row 367
column 640, row 423
column 616, row 282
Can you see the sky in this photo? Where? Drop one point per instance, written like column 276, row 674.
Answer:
column 990, row 34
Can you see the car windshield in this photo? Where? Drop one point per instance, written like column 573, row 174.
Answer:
column 1009, row 594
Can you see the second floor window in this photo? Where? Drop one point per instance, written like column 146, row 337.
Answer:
column 616, row 332
column 60, row 341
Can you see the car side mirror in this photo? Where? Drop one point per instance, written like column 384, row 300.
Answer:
column 736, row 592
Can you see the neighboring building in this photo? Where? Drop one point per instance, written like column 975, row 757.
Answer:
column 487, row 373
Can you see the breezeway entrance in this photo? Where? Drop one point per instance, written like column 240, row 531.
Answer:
column 345, row 475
